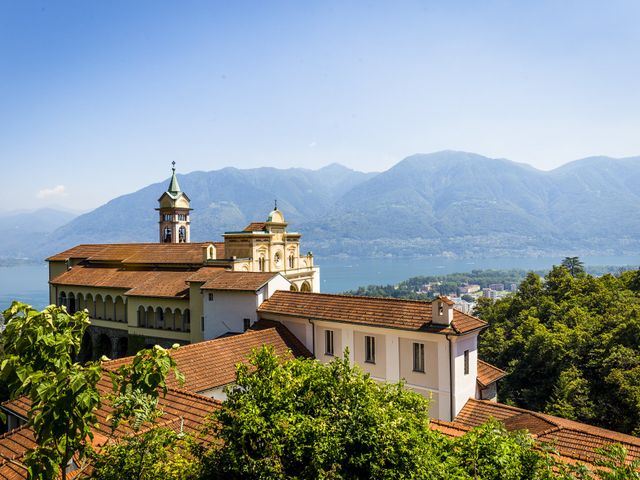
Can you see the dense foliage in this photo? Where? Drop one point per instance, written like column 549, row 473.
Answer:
column 305, row 420
column 38, row 361
column 571, row 345
column 39, row 350
column 449, row 283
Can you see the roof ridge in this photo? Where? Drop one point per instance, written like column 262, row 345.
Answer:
column 344, row 295
column 365, row 297
column 195, row 395
column 490, row 364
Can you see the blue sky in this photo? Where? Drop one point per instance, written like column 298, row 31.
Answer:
column 97, row 98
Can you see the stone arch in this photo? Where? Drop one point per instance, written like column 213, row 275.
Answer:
column 79, row 302
column 169, row 319
column 186, row 320
column 293, row 287
column 122, row 347
column 159, row 317
column 151, row 318
column 178, row 320
column 89, row 305
column 305, row 287
column 104, row 346
column 62, row 299
column 99, row 310
column 120, row 309
column 142, row 317
column 71, row 303
column 109, row 308
column 86, row 348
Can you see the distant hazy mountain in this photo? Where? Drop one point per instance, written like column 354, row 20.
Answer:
column 23, row 231
column 431, row 204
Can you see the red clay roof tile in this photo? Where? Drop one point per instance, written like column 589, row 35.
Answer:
column 373, row 311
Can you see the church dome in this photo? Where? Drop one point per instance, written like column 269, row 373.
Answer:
column 275, row 216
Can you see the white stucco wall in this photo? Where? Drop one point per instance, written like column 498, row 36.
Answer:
column 464, row 385
column 228, row 309
column 394, row 358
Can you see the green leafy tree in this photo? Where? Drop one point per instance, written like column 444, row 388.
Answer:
column 302, row 419
column 153, row 452
column 39, row 348
column 574, row 265
column 571, row 346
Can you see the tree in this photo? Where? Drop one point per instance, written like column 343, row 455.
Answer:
column 574, row 265
column 39, row 348
column 152, row 452
column 302, row 419
column 571, row 346
column 38, row 362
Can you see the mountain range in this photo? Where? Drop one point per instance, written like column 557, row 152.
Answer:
column 427, row 204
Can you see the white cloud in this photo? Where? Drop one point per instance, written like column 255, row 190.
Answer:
column 313, row 144
column 57, row 191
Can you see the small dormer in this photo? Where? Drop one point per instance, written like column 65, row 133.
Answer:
column 442, row 311
column 209, row 252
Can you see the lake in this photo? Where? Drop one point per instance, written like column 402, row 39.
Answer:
column 28, row 283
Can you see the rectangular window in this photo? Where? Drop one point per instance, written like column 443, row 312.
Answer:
column 466, row 362
column 246, row 323
column 369, row 349
column 202, row 320
column 328, row 342
column 211, row 297
column 418, row 357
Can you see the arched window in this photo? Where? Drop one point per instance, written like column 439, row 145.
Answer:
column 292, row 260
column 261, row 264
column 62, row 299
column 305, row 287
column 276, row 259
column 182, row 235
column 186, row 317
column 166, row 238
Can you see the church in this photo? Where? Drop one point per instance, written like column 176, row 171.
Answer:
column 165, row 292
column 178, row 291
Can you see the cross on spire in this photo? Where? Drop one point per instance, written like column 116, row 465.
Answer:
column 173, row 166
column 275, row 204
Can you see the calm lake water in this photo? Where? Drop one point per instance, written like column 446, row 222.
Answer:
column 28, row 283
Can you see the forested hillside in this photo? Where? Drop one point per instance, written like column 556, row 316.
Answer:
column 571, row 345
column 435, row 204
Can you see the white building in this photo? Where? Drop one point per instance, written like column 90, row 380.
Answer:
column 429, row 345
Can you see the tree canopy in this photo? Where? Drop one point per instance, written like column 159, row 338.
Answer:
column 571, row 345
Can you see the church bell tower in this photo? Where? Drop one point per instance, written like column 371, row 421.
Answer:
column 174, row 213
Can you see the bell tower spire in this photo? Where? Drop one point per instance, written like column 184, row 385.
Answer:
column 174, row 213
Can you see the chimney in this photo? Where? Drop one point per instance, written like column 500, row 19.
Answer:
column 442, row 311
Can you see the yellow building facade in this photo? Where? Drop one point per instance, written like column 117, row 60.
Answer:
column 140, row 294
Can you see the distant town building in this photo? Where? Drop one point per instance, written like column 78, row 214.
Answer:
column 471, row 288
column 498, row 287
column 513, row 287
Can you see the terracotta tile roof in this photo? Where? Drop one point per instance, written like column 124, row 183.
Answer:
column 145, row 283
column 255, row 227
column 140, row 253
column 242, row 281
column 181, row 409
column 13, row 446
column 373, row 311
column 487, row 373
column 572, row 440
column 211, row 364
column 449, row 429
